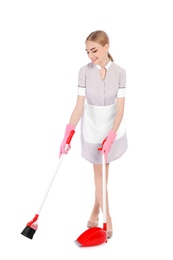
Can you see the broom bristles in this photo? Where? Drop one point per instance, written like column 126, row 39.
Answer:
column 31, row 227
column 28, row 232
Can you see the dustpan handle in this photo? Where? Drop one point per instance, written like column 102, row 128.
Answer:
column 104, row 186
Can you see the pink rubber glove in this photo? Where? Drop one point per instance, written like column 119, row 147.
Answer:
column 65, row 145
column 107, row 143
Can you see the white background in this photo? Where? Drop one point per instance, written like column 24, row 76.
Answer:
column 41, row 50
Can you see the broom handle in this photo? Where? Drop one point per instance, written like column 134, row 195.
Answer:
column 50, row 184
column 104, row 187
column 54, row 175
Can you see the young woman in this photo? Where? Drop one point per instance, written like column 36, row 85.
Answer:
column 100, row 106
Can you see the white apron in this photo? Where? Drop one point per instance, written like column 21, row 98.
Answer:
column 98, row 121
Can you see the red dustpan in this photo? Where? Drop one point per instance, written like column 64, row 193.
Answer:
column 96, row 235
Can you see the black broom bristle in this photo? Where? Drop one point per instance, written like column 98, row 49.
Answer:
column 28, row 232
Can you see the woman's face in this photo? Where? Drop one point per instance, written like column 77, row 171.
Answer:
column 97, row 53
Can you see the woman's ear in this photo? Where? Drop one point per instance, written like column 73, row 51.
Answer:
column 106, row 47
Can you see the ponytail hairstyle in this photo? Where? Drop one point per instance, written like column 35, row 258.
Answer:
column 101, row 38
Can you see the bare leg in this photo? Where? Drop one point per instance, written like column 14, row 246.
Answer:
column 98, row 196
column 93, row 221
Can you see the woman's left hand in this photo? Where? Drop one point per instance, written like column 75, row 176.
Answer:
column 107, row 143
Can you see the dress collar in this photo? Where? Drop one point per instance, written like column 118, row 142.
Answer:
column 106, row 67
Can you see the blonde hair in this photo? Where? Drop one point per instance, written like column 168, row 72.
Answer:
column 100, row 37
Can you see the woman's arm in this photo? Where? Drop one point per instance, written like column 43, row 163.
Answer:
column 77, row 111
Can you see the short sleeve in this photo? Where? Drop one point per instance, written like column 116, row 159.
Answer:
column 81, row 82
column 122, row 84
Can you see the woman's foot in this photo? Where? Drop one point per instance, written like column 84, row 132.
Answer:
column 109, row 228
column 109, row 234
column 93, row 222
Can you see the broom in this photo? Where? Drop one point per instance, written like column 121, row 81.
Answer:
column 32, row 226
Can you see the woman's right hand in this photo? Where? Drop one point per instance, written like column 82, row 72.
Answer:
column 65, row 145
